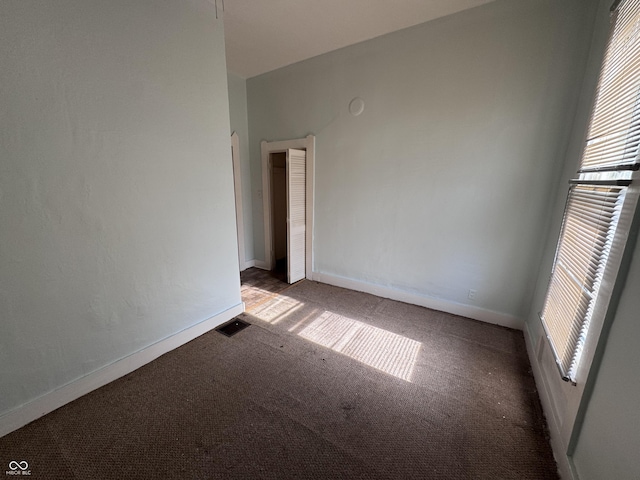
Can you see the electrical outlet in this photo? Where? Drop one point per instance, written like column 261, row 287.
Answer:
column 472, row 294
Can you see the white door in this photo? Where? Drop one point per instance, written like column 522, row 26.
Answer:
column 296, row 214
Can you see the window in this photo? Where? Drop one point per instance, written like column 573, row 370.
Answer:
column 604, row 192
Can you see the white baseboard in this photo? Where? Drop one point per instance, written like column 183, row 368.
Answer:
column 559, row 452
column 468, row 311
column 248, row 264
column 48, row 402
column 261, row 265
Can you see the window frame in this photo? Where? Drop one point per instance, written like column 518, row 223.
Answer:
column 623, row 173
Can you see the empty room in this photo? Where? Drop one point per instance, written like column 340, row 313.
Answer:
column 340, row 239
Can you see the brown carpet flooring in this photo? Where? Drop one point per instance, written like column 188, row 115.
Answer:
column 326, row 383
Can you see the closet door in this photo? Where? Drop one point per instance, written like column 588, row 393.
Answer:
column 296, row 214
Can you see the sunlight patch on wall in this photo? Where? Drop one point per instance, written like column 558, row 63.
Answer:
column 378, row 348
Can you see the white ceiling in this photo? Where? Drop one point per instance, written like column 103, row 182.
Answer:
column 262, row 35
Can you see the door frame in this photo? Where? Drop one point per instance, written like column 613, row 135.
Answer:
column 237, row 189
column 266, row 149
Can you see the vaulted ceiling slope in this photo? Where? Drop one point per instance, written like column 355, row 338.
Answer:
column 265, row 35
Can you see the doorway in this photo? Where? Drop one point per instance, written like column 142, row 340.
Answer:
column 288, row 213
column 279, row 212
column 287, row 178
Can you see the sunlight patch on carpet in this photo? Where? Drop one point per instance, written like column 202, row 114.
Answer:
column 383, row 350
column 275, row 310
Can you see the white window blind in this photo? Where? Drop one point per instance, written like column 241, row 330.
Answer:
column 614, row 131
column 597, row 197
column 589, row 225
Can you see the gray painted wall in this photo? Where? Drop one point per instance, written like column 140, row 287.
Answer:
column 116, row 192
column 443, row 184
column 609, row 441
column 240, row 124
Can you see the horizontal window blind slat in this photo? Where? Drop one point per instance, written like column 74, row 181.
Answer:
column 592, row 211
column 590, row 216
column 614, row 129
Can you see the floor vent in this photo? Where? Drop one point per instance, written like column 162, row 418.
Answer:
column 232, row 327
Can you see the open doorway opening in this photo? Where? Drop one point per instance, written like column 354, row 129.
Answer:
column 287, row 180
column 288, row 172
column 279, row 212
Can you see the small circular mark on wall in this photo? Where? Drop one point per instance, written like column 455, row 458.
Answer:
column 356, row 106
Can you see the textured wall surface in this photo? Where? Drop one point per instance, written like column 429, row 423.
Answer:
column 444, row 182
column 116, row 192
